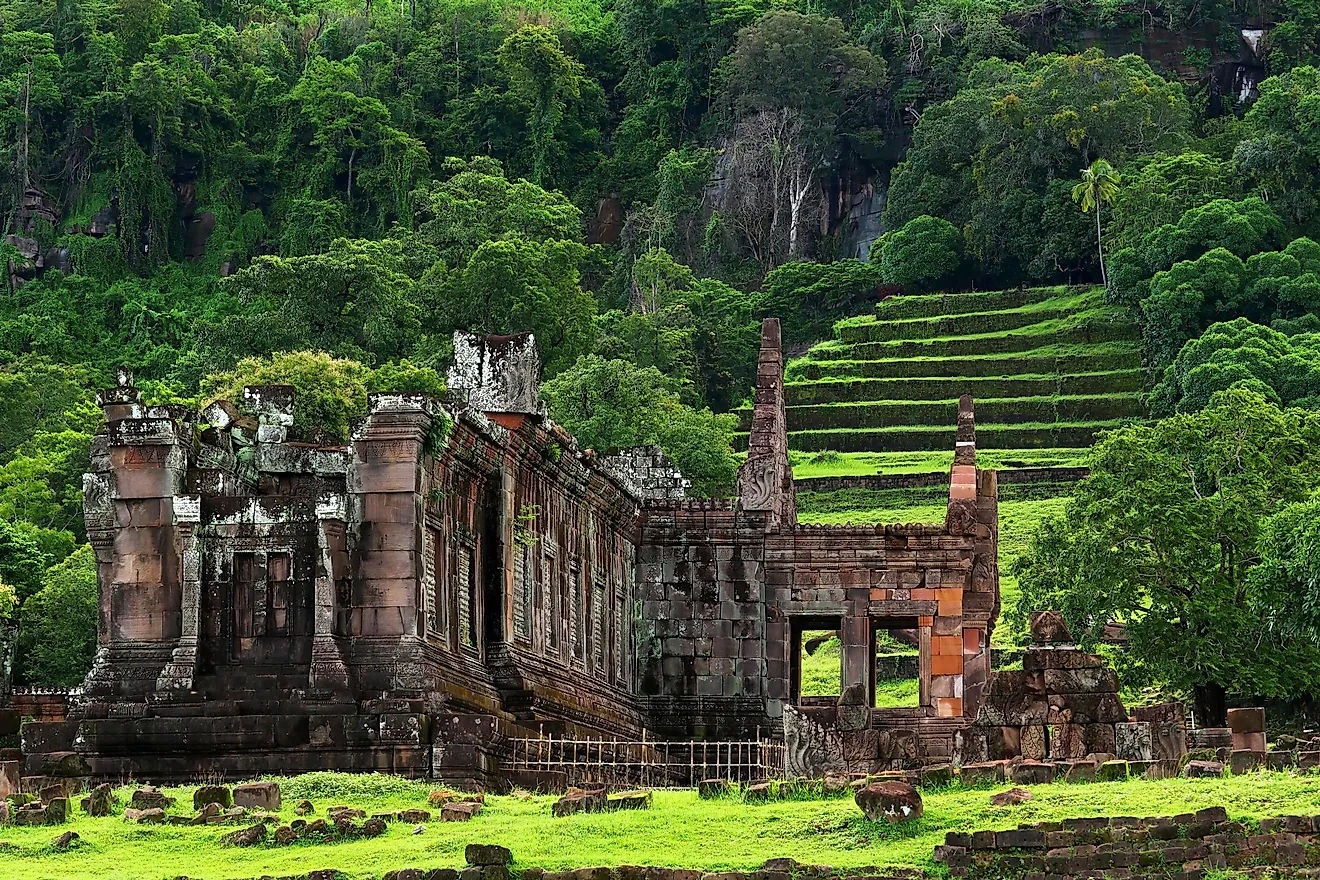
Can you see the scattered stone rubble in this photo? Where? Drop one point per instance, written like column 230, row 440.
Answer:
column 1186, row 846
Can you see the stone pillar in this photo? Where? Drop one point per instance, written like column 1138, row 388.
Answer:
column 179, row 672
column 141, row 529
column 386, row 482
column 765, row 480
column 329, row 673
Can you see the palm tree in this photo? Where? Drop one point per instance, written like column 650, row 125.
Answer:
column 1098, row 187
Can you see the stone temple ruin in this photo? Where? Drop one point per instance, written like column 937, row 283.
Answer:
column 461, row 574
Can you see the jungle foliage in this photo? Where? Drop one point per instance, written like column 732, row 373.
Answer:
column 322, row 192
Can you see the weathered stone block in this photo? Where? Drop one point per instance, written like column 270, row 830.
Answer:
column 257, row 795
column 212, row 794
column 1091, row 680
column 1133, row 742
column 1246, row 760
column 1031, row 773
column 982, row 773
column 1199, row 769
column 1111, row 771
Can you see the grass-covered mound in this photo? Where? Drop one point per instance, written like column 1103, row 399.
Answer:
column 680, row 830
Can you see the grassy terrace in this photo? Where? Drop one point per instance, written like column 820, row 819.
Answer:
column 679, row 831
column 1048, row 367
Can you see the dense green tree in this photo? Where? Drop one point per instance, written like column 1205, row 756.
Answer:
column 921, row 255
column 547, row 78
column 809, row 297
column 1282, row 156
column 984, row 159
column 29, row 95
column 1219, row 286
column 1163, row 536
column 1158, row 190
column 798, row 85
column 1286, row 581
column 57, row 624
column 612, row 404
column 329, row 393
column 1286, row 369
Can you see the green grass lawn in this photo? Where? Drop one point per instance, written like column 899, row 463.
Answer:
column 866, row 464
column 679, row 831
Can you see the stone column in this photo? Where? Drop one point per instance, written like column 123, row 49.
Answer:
column 329, row 673
column 179, row 672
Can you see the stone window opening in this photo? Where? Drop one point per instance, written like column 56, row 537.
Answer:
column 894, row 679
column 815, row 659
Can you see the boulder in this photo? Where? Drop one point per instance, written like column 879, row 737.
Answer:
column 1011, row 798
column 1048, row 628
column 64, row 840
column 304, row 808
column 212, row 794
column 413, row 817
column 337, row 813
column 373, row 827
column 891, row 801
column 757, row 793
column 260, row 795
column 284, row 835
column 479, row 855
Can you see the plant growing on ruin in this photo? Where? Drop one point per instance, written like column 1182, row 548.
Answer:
column 523, row 535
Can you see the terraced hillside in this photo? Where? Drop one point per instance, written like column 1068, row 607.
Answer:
column 1048, row 368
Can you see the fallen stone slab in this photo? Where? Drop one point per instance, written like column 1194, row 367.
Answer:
column 892, row 801
column 413, row 817
column 579, row 800
column 65, row 840
column 629, row 800
column 1030, row 773
column 150, row 798
column 150, row 816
